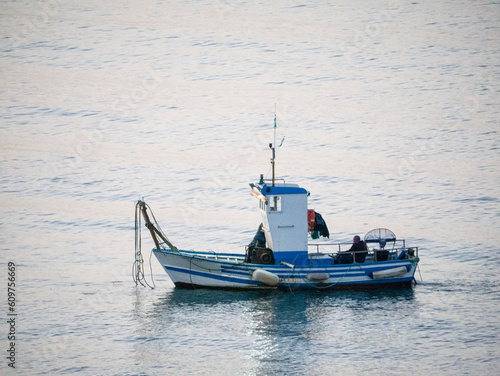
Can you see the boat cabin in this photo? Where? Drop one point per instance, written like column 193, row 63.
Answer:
column 284, row 220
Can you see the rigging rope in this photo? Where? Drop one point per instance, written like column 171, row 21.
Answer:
column 138, row 266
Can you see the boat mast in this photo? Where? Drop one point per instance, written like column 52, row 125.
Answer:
column 273, row 146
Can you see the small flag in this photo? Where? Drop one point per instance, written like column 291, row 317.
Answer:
column 281, row 142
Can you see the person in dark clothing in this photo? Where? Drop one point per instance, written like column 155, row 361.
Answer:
column 359, row 247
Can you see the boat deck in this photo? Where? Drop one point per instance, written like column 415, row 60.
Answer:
column 322, row 255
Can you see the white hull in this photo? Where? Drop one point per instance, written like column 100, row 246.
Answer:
column 229, row 271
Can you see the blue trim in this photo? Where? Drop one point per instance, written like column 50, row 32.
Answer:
column 266, row 190
column 377, row 281
column 286, row 273
column 298, row 258
column 212, row 276
column 239, row 255
column 193, row 254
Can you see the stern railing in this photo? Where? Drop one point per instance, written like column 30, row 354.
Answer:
column 393, row 252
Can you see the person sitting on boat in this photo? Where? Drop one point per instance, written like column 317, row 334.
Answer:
column 358, row 248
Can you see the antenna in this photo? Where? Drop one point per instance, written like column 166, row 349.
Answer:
column 273, row 146
column 275, row 124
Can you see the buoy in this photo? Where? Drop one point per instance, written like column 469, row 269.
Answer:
column 266, row 277
column 390, row 273
column 311, row 219
column 318, row 277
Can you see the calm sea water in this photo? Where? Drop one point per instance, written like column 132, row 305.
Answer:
column 389, row 114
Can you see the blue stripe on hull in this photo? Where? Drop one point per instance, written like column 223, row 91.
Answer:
column 248, row 283
column 212, row 276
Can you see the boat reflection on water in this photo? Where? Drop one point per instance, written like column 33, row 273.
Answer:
column 256, row 332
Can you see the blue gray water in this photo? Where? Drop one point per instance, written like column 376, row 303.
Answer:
column 389, row 113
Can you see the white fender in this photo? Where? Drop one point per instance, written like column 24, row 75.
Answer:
column 266, row 277
column 390, row 273
column 318, row 277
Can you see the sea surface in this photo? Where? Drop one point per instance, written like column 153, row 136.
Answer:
column 386, row 111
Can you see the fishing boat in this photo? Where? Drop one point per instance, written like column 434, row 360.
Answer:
column 284, row 253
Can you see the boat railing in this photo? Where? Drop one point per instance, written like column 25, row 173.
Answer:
column 270, row 180
column 390, row 252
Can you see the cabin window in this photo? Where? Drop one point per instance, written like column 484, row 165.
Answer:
column 275, row 203
column 262, row 204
